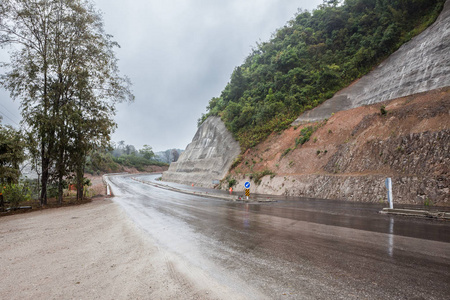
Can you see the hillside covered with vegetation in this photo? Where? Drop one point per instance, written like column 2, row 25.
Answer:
column 121, row 156
column 315, row 55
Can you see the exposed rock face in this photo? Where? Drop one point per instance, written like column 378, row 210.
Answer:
column 424, row 160
column 422, row 64
column 208, row 157
column 350, row 155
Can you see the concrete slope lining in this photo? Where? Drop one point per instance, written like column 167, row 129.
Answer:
column 207, row 158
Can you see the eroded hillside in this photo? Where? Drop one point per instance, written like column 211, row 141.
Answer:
column 349, row 155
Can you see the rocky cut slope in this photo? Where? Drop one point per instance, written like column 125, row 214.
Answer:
column 207, row 158
column 349, row 155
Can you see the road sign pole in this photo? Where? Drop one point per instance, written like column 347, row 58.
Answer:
column 247, row 193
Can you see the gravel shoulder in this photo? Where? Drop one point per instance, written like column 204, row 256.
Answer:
column 92, row 251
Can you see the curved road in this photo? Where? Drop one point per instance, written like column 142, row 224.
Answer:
column 295, row 249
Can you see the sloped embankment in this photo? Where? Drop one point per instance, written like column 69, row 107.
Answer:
column 349, row 155
column 207, row 158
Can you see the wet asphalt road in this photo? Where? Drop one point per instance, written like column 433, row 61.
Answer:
column 296, row 249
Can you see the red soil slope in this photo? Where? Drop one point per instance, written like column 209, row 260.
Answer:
column 350, row 155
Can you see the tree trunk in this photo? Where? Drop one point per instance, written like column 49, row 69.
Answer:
column 80, row 186
column 44, row 179
column 60, row 190
column 44, row 156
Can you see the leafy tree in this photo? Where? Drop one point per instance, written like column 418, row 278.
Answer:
column 169, row 156
column 65, row 73
column 109, row 160
column 130, row 150
column 12, row 154
column 175, row 155
column 147, row 152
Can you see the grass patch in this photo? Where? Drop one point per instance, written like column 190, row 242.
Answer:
column 305, row 134
column 259, row 175
column 285, row 152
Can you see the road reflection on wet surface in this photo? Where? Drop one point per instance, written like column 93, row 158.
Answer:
column 296, row 249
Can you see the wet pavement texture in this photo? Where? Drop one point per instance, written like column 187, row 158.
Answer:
column 295, row 248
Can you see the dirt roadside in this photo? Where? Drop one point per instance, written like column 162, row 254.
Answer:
column 92, row 251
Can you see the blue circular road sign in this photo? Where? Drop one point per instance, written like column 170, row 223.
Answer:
column 247, row 185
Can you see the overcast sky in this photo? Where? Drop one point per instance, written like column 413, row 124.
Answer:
column 178, row 54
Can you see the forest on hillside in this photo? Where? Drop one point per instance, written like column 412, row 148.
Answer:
column 312, row 57
column 120, row 155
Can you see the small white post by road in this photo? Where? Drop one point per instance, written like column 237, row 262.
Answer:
column 388, row 184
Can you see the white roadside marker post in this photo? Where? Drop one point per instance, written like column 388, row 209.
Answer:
column 388, row 184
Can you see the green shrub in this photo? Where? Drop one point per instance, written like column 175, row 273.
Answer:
column 231, row 181
column 286, row 152
column 305, row 134
column 16, row 193
column 259, row 175
column 138, row 162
